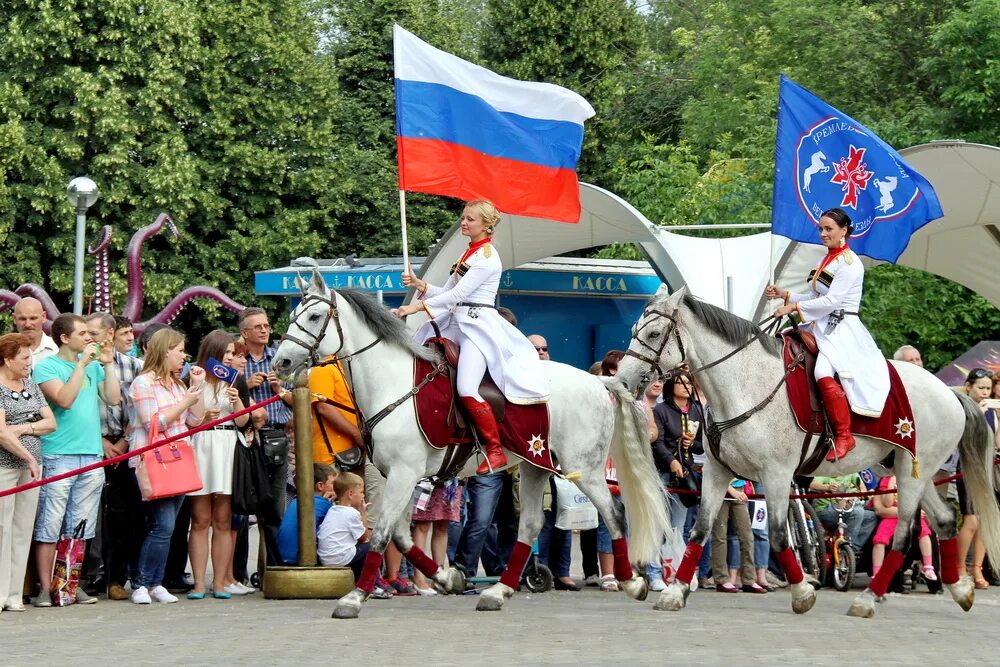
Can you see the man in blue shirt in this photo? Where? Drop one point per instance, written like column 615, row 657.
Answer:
column 263, row 384
column 74, row 381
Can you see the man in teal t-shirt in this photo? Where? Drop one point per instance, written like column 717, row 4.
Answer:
column 73, row 381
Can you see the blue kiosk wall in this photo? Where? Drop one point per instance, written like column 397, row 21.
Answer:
column 583, row 307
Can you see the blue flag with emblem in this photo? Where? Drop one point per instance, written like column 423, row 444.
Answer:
column 218, row 369
column 823, row 159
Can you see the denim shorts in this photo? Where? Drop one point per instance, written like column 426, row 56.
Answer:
column 64, row 504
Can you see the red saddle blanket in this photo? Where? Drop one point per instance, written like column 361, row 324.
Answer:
column 524, row 429
column 895, row 426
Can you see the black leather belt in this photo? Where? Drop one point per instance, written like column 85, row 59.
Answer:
column 223, row 427
column 469, row 304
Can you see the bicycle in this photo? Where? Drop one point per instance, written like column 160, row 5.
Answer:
column 806, row 537
column 841, row 559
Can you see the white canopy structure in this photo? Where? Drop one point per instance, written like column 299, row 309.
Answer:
column 964, row 246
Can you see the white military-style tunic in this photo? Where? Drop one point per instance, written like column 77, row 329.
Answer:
column 837, row 285
column 511, row 359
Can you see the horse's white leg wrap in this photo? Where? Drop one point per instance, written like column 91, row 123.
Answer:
column 803, row 597
column 963, row 592
column 492, row 598
column 673, row 597
column 863, row 606
column 349, row 606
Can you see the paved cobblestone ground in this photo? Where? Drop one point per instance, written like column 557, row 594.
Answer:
column 554, row 628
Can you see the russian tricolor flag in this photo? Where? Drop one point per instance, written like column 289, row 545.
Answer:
column 464, row 131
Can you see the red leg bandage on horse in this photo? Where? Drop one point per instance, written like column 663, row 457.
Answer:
column 880, row 582
column 623, row 568
column 949, row 561
column 422, row 561
column 373, row 563
column 689, row 563
column 793, row 571
column 515, row 565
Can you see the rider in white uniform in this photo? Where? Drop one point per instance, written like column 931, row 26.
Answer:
column 846, row 349
column 464, row 310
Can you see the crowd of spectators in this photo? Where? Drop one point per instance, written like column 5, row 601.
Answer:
column 91, row 391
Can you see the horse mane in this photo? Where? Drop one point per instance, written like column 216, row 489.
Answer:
column 733, row 328
column 384, row 324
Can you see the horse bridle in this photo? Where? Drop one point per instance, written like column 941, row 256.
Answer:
column 654, row 362
column 332, row 313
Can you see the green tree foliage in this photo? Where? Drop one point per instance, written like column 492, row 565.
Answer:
column 904, row 306
column 588, row 46
column 220, row 114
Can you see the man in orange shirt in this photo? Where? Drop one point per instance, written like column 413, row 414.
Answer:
column 334, row 429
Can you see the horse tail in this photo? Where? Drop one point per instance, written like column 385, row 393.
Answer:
column 640, row 484
column 976, row 449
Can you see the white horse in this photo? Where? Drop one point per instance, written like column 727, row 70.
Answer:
column 765, row 443
column 587, row 416
column 815, row 167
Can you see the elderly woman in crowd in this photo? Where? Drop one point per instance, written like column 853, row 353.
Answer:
column 24, row 416
column 158, row 393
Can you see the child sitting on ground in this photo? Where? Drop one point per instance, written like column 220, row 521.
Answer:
column 343, row 537
column 288, row 534
column 885, row 507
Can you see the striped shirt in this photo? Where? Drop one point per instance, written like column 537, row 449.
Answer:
column 114, row 418
column 148, row 397
column 278, row 413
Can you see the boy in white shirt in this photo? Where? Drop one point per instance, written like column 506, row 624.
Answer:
column 343, row 537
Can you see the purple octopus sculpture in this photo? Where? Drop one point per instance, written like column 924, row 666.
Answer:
column 134, row 296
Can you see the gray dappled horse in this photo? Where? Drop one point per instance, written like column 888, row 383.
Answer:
column 765, row 445
column 588, row 416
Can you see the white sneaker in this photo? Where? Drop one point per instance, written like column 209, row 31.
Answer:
column 236, row 589
column 248, row 589
column 657, row 584
column 141, row 596
column 426, row 591
column 161, row 594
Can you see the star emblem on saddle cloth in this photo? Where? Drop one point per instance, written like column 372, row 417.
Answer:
column 904, row 428
column 536, row 446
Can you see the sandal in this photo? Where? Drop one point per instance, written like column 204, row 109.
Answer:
column 608, row 584
column 929, row 573
column 977, row 575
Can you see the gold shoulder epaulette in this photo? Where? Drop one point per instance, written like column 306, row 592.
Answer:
column 849, row 256
column 487, row 250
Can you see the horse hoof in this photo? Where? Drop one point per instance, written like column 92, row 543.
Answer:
column 803, row 597
column 350, row 605
column 672, row 598
column 636, row 588
column 492, row 598
column 963, row 592
column 450, row 581
column 863, row 606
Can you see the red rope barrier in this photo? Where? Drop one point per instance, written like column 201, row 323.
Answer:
column 127, row 455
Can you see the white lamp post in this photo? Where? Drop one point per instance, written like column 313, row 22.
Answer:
column 82, row 193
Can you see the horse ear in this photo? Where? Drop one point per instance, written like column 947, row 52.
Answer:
column 675, row 298
column 301, row 284
column 317, row 284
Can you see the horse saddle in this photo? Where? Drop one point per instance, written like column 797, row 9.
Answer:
column 524, row 429
column 488, row 389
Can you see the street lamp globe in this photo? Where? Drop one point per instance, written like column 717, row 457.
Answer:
column 82, row 193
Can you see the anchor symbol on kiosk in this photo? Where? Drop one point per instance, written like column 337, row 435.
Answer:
column 507, row 280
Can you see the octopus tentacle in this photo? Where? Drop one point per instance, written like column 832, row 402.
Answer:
column 172, row 309
column 102, row 278
column 134, row 301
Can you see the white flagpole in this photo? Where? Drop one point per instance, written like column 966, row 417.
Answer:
column 402, row 224
column 770, row 261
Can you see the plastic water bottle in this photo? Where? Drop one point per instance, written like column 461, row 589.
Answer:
column 809, row 524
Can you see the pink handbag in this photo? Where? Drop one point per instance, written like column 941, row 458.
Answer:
column 167, row 471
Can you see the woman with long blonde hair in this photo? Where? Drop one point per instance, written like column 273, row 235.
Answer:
column 158, row 393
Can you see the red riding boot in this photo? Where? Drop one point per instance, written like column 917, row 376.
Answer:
column 839, row 413
column 489, row 435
